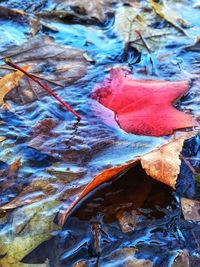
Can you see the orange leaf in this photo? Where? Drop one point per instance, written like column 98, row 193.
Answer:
column 162, row 164
column 8, row 82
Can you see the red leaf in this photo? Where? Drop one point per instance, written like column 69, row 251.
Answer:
column 143, row 106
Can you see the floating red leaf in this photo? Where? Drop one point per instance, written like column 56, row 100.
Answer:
column 143, row 107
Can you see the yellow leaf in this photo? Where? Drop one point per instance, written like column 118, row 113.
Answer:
column 2, row 138
column 169, row 16
column 30, row 226
column 21, row 12
column 8, row 82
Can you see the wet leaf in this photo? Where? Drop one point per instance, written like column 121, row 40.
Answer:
column 126, row 257
column 129, row 20
column 167, row 15
column 163, row 164
column 28, row 6
column 120, row 257
column 127, row 220
column 8, row 12
column 176, row 14
column 30, row 226
column 2, row 138
column 41, row 188
column 143, row 106
column 9, row 176
column 85, row 149
column 96, row 9
column 182, row 259
column 191, row 209
column 56, row 65
column 8, row 82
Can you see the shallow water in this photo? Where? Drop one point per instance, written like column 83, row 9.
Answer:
column 74, row 153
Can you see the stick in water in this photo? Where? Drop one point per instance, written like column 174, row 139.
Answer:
column 15, row 66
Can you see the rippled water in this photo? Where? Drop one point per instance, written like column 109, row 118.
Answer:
column 74, row 153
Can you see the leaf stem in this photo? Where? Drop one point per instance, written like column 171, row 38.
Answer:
column 32, row 77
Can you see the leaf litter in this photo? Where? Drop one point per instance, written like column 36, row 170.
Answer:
column 88, row 147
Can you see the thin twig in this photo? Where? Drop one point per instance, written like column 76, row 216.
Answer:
column 150, row 36
column 10, row 63
column 47, row 80
column 33, row 90
column 144, row 41
column 35, row 75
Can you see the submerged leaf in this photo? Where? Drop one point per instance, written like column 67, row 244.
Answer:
column 9, row 176
column 182, row 259
column 129, row 20
column 8, row 82
column 143, row 106
column 120, row 257
column 56, row 65
column 94, row 10
column 190, row 209
column 30, row 226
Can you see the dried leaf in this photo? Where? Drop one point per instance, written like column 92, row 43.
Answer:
column 143, row 106
column 163, row 164
column 8, row 82
column 191, row 209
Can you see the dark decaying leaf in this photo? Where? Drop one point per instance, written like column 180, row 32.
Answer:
column 9, row 175
column 28, row 6
column 77, row 144
column 121, row 257
column 60, row 64
column 94, row 10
